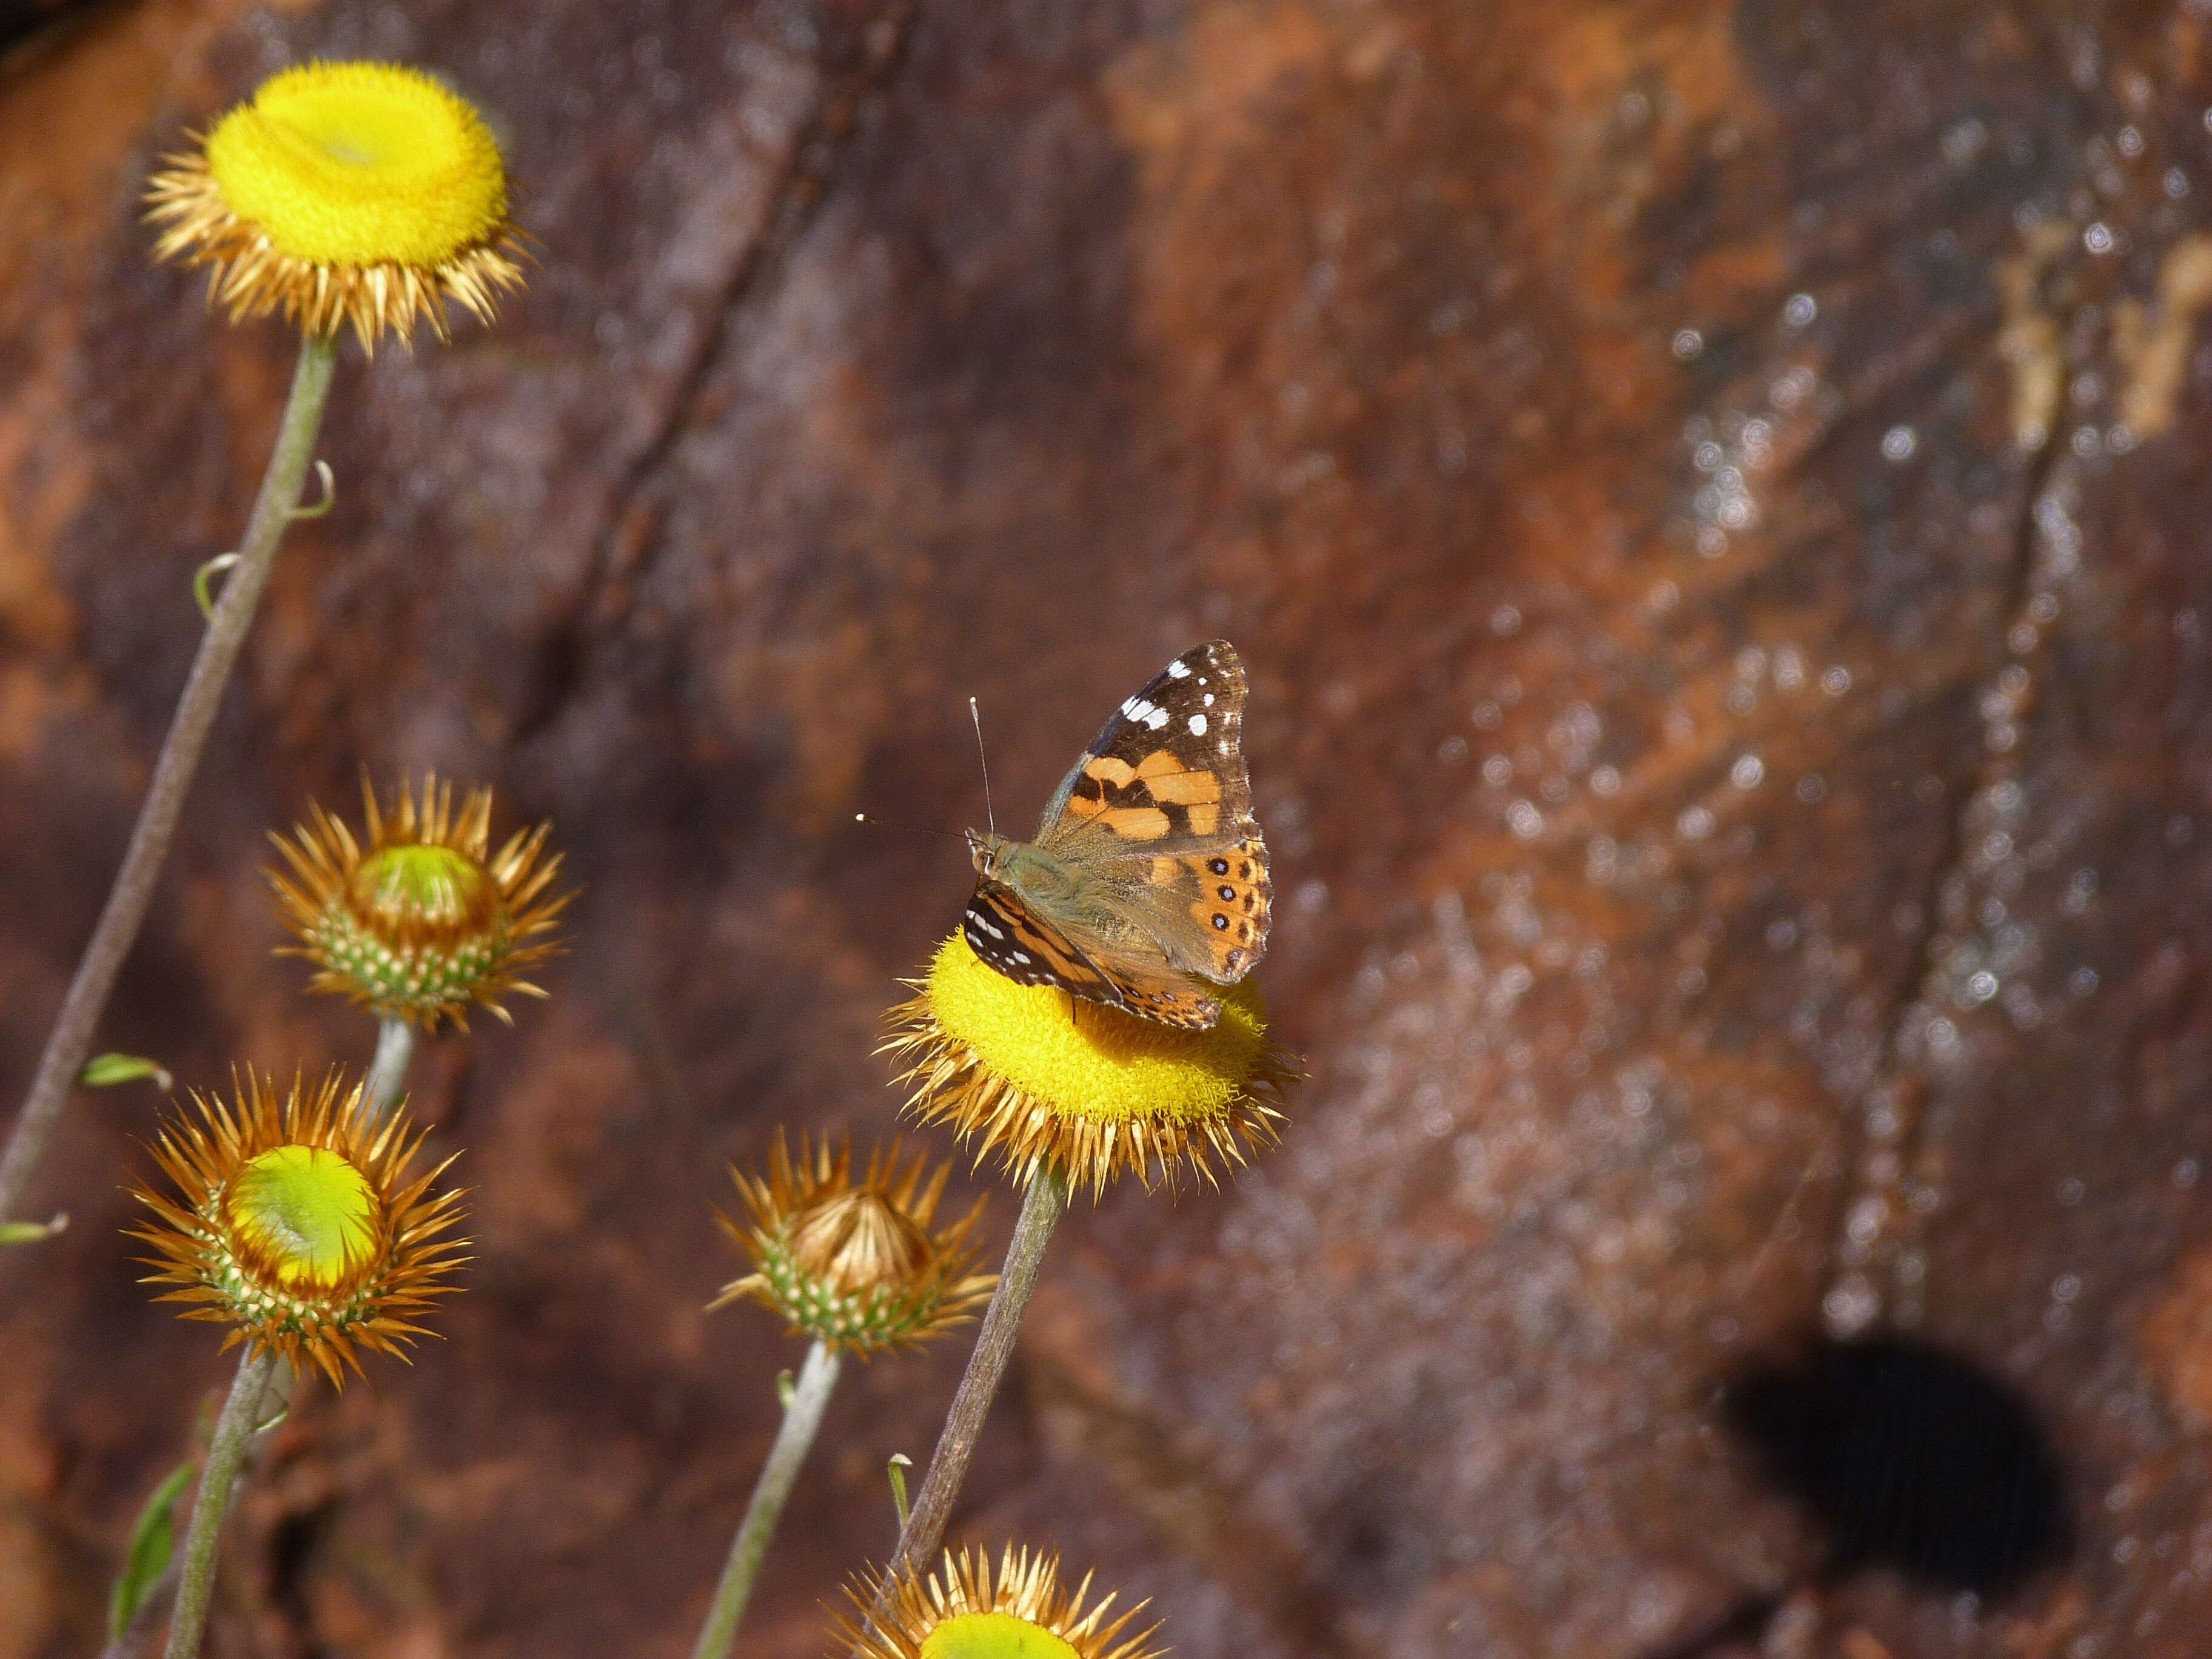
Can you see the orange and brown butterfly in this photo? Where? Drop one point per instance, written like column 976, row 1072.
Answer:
column 1147, row 884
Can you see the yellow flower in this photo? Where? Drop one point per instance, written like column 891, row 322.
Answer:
column 1036, row 1074
column 959, row 1613
column 854, row 1264
column 291, row 1224
column 345, row 193
column 426, row 921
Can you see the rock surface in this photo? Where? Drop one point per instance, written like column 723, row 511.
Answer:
column 1712, row 499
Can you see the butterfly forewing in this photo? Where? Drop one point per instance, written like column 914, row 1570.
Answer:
column 1167, row 769
column 1027, row 949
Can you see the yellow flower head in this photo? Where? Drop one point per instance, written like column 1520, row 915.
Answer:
column 1036, row 1074
column 427, row 919
column 960, row 1612
column 345, row 193
column 291, row 1224
column 855, row 1265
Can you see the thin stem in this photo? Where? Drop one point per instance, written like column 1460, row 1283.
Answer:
column 71, row 1037
column 211, row 1502
column 156, row 1602
column 801, row 1418
column 1043, row 1206
column 387, row 1072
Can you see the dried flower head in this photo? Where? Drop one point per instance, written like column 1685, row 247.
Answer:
column 854, row 1264
column 345, row 193
column 960, row 1612
column 426, row 919
column 1035, row 1074
column 291, row 1223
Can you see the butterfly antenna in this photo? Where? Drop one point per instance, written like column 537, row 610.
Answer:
column 990, row 818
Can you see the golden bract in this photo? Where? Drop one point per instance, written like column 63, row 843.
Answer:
column 961, row 1611
column 345, row 193
column 1036, row 1074
column 854, row 1264
column 291, row 1223
column 426, row 918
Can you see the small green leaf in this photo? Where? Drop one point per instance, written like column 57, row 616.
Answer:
column 152, row 1542
column 900, row 1464
column 31, row 1232
column 105, row 1070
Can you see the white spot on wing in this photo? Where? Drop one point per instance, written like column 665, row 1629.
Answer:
column 1209, row 699
column 1156, row 718
column 1197, row 726
column 1178, row 669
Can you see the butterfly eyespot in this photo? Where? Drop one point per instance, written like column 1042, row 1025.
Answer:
column 1220, row 922
column 1219, row 866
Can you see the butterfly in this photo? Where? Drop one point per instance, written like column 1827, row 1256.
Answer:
column 1147, row 884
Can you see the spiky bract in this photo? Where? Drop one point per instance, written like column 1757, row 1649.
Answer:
column 293, row 1222
column 345, row 194
column 854, row 1264
column 426, row 918
column 1036, row 1075
column 962, row 1612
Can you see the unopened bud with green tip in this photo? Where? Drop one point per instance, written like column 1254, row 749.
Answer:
column 856, row 1265
column 425, row 919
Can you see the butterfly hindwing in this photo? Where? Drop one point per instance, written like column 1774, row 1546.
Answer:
column 1211, row 907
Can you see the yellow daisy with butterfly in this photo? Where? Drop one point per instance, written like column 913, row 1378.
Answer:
column 1094, row 1011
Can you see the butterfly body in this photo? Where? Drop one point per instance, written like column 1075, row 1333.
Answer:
column 1147, row 881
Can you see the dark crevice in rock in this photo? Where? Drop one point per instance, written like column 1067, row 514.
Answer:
column 1899, row 1074
column 633, row 533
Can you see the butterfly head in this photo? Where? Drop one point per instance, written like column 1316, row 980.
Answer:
column 987, row 849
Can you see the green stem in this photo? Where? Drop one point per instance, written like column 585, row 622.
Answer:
column 801, row 1418
column 211, row 1502
column 387, row 1072
column 1043, row 1206
column 155, row 1604
column 71, row 1037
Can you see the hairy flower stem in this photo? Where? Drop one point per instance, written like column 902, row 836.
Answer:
column 802, row 1417
column 387, row 1072
column 211, row 1502
column 71, row 1037
column 1043, row 1206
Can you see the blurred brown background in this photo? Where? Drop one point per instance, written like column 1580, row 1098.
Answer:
column 1711, row 496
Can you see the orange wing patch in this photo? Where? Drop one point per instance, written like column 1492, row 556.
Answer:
column 1159, row 796
column 1135, row 823
column 1228, row 894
